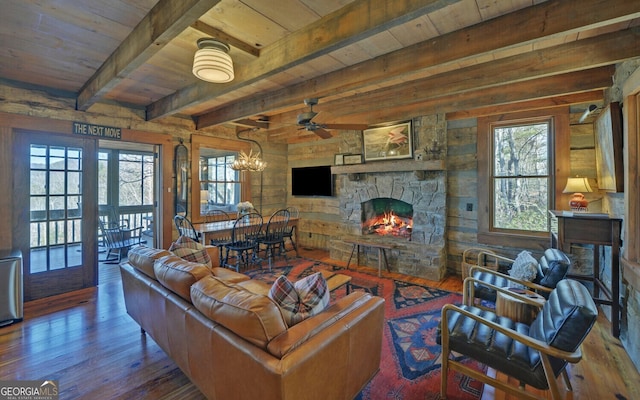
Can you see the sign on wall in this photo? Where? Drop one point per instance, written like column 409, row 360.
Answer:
column 106, row 132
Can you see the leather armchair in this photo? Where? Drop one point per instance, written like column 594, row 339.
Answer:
column 534, row 354
column 552, row 268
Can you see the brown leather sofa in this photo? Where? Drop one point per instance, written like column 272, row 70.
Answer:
column 231, row 340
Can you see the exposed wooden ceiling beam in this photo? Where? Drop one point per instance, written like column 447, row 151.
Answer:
column 252, row 123
column 352, row 23
column 584, row 54
column 166, row 20
column 528, row 105
column 226, row 38
column 549, row 91
column 545, row 20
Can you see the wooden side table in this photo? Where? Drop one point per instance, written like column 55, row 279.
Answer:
column 517, row 310
column 598, row 230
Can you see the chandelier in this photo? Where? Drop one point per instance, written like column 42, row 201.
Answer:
column 251, row 161
column 212, row 62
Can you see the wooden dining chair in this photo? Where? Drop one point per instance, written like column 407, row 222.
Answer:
column 290, row 231
column 222, row 241
column 244, row 245
column 273, row 237
column 185, row 227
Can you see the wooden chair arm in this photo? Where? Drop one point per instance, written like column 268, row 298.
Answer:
column 472, row 256
column 494, row 256
column 530, row 285
column 542, row 347
column 468, row 291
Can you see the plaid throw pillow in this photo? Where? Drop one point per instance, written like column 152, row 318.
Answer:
column 190, row 250
column 300, row 300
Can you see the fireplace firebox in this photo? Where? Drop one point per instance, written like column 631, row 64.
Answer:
column 386, row 216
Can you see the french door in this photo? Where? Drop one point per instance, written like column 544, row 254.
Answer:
column 56, row 212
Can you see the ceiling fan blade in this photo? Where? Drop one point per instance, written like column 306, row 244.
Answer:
column 322, row 133
column 356, row 127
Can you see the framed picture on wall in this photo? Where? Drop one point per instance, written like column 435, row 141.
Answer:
column 352, row 159
column 388, row 142
column 608, row 135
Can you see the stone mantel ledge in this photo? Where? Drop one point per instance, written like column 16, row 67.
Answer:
column 390, row 166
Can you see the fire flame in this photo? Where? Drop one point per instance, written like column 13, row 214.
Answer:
column 389, row 224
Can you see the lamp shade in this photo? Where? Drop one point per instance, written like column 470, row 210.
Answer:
column 204, row 196
column 577, row 185
column 212, row 62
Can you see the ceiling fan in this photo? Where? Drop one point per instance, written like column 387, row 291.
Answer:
column 305, row 120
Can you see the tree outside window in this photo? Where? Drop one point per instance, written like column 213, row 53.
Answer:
column 521, row 179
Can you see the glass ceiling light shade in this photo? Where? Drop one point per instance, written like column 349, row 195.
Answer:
column 212, row 62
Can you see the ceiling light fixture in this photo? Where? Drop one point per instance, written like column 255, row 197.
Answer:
column 212, row 62
column 251, row 161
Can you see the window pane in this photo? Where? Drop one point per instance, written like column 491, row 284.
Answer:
column 38, row 182
column 56, row 182
column 521, row 150
column 130, row 176
column 220, row 183
column 103, row 183
column 73, row 182
column 521, row 204
column 57, row 158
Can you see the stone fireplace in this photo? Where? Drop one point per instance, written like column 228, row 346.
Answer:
column 416, row 190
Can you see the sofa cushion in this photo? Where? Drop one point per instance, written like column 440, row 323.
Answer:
column 190, row 250
column 302, row 299
column 178, row 275
column 229, row 275
column 142, row 258
column 252, row 316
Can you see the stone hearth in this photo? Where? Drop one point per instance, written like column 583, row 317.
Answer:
column 424, row 255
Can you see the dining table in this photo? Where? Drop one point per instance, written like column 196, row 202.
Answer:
column 223, row 228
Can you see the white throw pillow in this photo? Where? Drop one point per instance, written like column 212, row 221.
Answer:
column 524, row 268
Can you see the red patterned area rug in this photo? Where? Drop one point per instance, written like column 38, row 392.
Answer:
column 410, row 366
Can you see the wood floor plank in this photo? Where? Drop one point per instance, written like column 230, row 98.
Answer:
column 86, row 340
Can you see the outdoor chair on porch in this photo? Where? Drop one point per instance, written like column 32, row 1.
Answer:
column 118, row 240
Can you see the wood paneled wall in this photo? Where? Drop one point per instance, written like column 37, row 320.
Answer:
column 319, row 216
column 462, row 176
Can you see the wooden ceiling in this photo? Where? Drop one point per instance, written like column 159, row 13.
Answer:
column 369, row 61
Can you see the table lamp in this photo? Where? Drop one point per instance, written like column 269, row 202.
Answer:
column 577, row 186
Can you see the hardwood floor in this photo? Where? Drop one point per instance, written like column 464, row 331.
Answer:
column 87, row 342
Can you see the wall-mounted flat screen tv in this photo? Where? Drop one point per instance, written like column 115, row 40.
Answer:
column 312, row 181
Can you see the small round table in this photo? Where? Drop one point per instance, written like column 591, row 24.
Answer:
column 515, row 309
